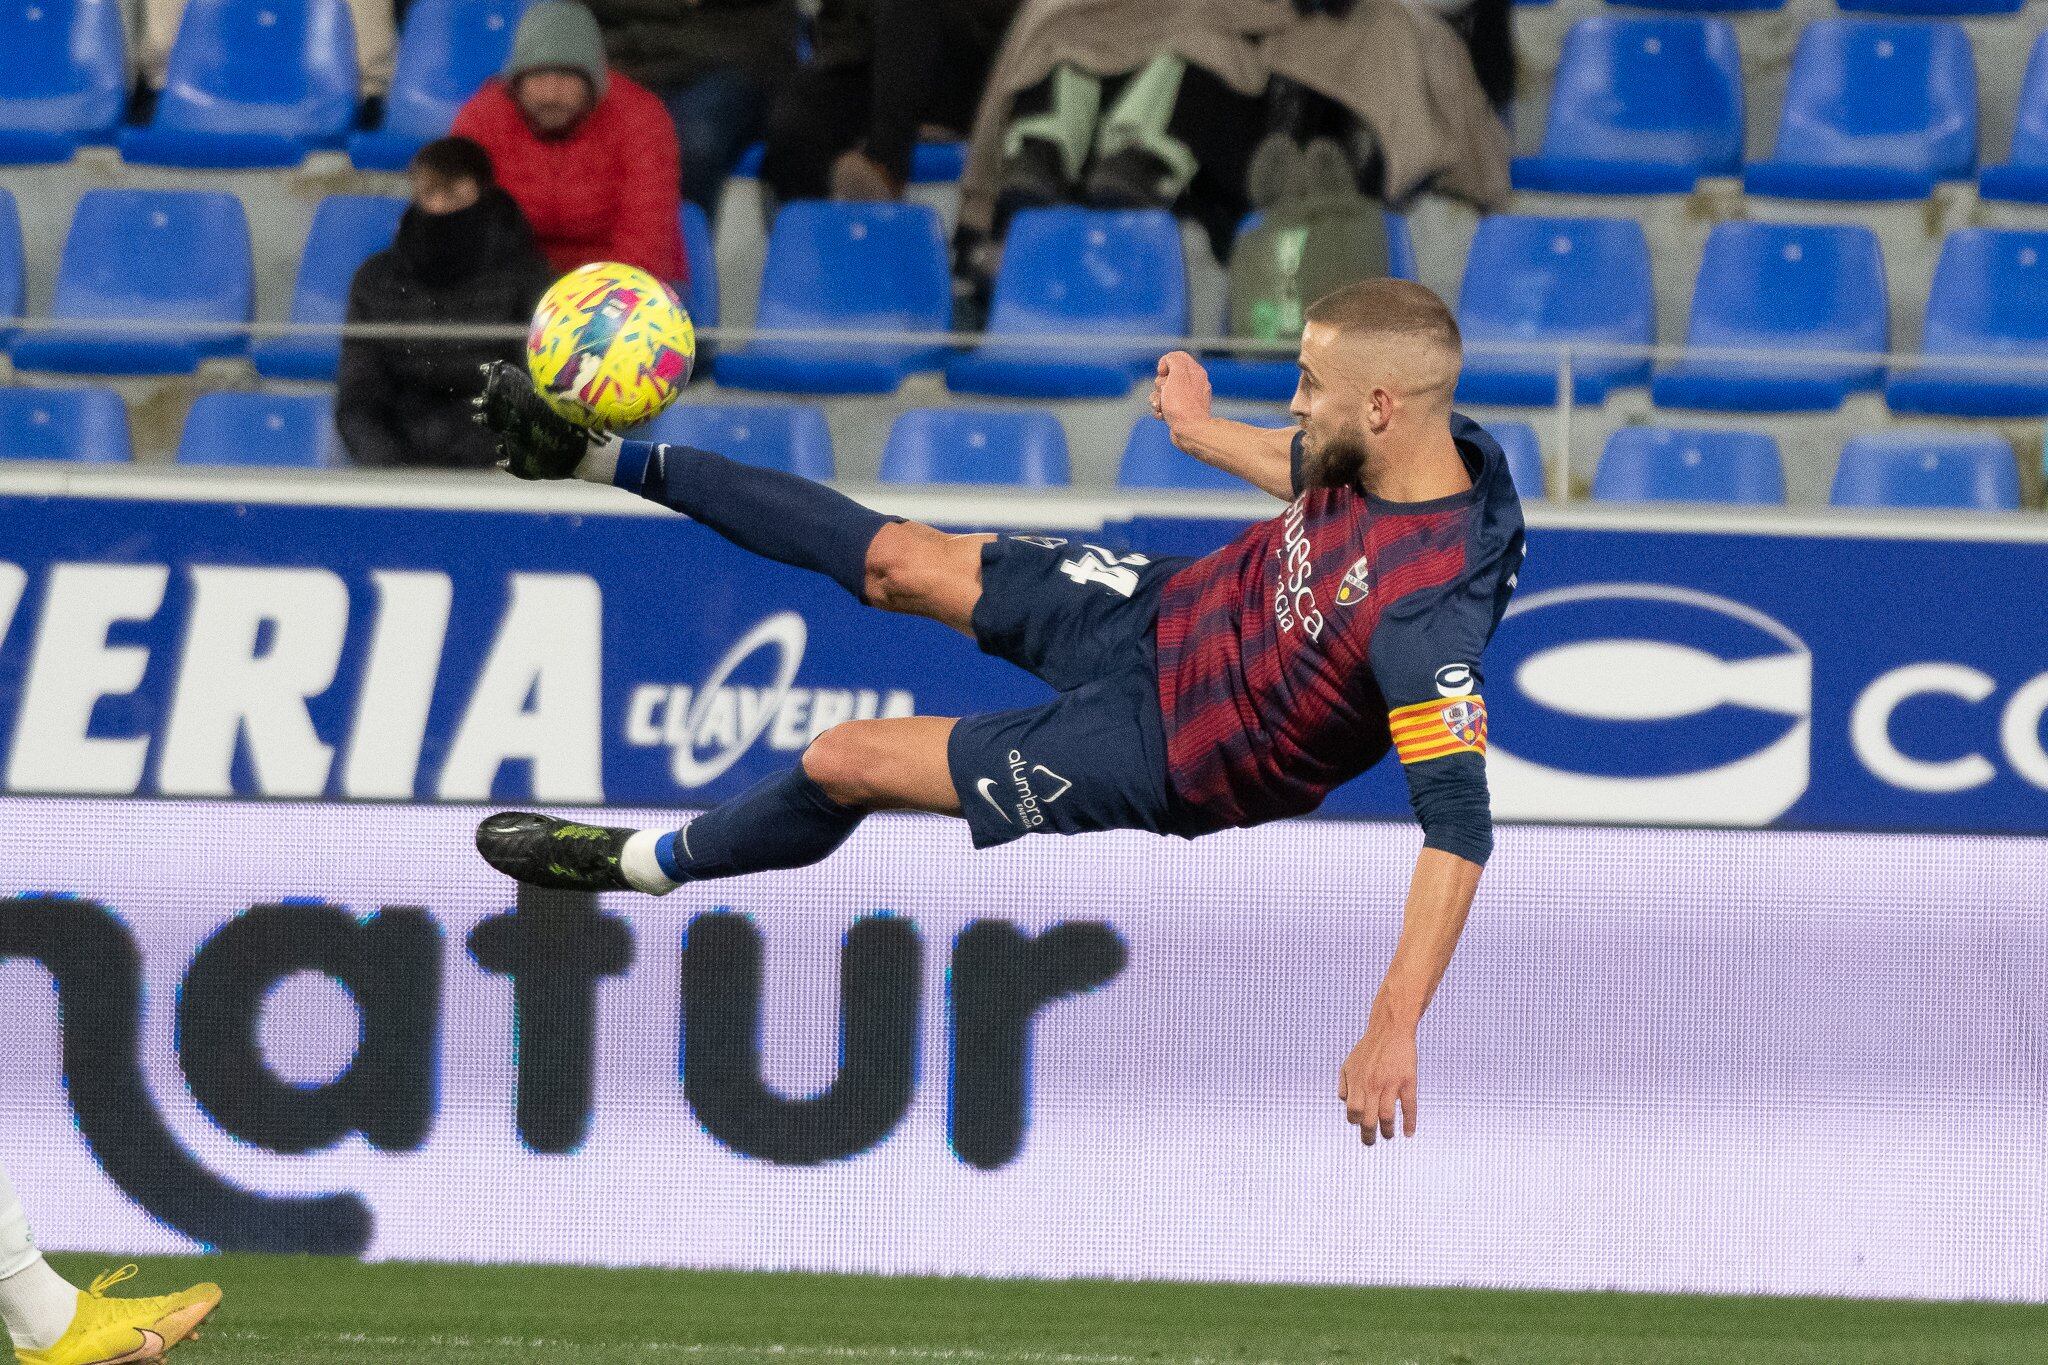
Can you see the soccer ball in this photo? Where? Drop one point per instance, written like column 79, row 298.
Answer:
column 610, row 346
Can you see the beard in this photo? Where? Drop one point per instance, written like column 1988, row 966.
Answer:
column 1336, row 461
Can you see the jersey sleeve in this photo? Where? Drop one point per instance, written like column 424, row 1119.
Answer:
column 1425, row 657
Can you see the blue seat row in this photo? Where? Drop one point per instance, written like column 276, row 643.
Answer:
column 91, row 425
column 1888, row 469
column 1532, row 285
column 1873, row 111
column 1793, row 292
column 1917, row 7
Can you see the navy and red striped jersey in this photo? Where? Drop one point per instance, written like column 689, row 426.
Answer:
column 1294, row 657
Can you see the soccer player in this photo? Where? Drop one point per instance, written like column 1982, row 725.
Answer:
column 1193, row 695
column 52, row 1323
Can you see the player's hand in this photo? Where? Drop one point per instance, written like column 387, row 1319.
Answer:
column 1378, row 1076
column 1180, row 393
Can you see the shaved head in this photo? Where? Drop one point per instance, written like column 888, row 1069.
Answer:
column 1379, row 362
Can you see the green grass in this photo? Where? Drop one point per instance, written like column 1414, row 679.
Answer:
column 305, row 1311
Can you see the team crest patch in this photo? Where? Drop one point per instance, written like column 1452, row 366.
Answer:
column 1357, row 580
column 1467, row 720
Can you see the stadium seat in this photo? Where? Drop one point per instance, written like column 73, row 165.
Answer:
column 2024, row 176
column 931, row 163
column 261, row 429
column 1933, row 7
column 170, row 256
column 851, row 268
column 1525, row 456
column 1273, row 381
column 701, row 298
column 972, row 445
column 1071, row 272
column 783, row 436
column 1656, row 464
column 1641, row 106
column 252, row 83
column 1152, row 460
column 1927, row 469
column 64, row 424
column 1783, row 289
column 1532, row 284
column 348, row 229
column 1873, row 111
column 64, row 79
column 1989, row 304
column 13, row 270
column 447, row 50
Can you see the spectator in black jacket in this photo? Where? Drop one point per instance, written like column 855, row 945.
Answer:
column 464, row 254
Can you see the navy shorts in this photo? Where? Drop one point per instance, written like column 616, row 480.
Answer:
column 1094, row 757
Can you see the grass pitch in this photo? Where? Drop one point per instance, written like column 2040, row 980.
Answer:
column 307, row 1311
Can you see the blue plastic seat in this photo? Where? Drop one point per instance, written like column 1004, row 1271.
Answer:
column 1927, row 469
column 1933, row 8
column 1784, row 289
column 786, row 436
column 347, row 230
column 852, row 268
column 1272, row 381
column 1525, row 456
column 1655, row 464
column 1641, row 106
column 931, row 163
column 64, row 424
column 172, row 256
column 2024, row 176
column 974, row 445
column 446, row 51
column 290, row 432
column 1152, row 460
column 701, row 298
column 1873, row 111
column 1989, row 304
column 1067, row 273
column 64, row 79
column 252, row 83
column 1532, row 284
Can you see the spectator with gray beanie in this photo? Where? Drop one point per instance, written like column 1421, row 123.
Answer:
column 588, row 154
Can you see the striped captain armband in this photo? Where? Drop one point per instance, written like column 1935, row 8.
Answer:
column 1438, row 729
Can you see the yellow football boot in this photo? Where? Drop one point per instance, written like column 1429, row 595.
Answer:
column 126, row 1331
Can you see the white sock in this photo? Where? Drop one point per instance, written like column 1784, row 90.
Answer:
column 36, row 1303
column 601, row 461
column 642, row 868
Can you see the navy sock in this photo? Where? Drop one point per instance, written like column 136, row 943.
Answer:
column 779, row 516
column 782, row 821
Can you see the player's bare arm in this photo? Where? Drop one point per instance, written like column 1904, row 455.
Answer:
column 1258, row 455
column 1380, row 1073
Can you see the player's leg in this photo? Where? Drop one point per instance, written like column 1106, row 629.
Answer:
column 792, row 819
column 52, row 1323
column 778, row 516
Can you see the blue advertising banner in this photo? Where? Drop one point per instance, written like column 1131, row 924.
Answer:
column 183, row 648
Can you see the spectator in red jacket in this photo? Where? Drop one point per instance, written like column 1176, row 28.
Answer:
column 588, row 155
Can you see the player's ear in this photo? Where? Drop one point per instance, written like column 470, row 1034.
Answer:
column 1379, row 409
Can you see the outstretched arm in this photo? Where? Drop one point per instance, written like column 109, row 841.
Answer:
column 1380, row 1072
column 1261, row 457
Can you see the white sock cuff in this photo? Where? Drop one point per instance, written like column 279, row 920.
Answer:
column 642, row 867
column 600, row 464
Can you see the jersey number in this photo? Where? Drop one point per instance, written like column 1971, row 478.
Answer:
column 1107, row 567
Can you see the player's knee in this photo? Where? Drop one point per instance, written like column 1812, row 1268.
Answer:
column 843, row 761
column 905, row 562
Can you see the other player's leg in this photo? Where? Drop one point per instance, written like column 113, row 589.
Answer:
column 52, row 1323
column 792, row 819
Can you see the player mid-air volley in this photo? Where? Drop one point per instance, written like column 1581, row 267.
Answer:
column 1193, row 694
